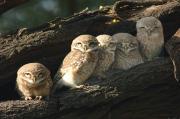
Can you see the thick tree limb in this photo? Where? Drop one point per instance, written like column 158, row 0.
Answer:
column 55, row 37
column 148, row 89
column 132, row 94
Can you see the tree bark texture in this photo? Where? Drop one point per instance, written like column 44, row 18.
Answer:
column 146, row 91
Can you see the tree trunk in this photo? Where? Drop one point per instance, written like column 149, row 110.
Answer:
column 146, row 91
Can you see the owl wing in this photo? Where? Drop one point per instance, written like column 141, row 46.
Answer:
column 63, row 67
column 69, row 61
column 75, row 60
column 18, row 91
column 142, row 49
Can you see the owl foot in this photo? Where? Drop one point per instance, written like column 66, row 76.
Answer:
column 28, row 98
column 38, row 97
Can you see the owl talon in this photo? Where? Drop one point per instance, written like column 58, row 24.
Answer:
column 28, row 98
column 38, row 97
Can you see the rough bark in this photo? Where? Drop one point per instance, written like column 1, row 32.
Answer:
column 148, row 89
column 132, row 94
column 173, row 49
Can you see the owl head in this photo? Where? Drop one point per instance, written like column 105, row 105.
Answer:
column 126, row 43
column 85, row 43
column 33, row 73
column 149, row 26
column 107, row 43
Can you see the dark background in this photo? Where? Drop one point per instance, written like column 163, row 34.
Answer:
column 36, row 12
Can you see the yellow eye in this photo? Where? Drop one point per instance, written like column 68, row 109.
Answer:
column 40, row 75
column 78, row 44
column 141, row 27
column 28, row 75
column 156, row 27
column 119, row 45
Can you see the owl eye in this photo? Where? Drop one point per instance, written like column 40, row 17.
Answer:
column 156, row 27
column 141, row 27
column 119, row 45
column 78, row 44
column 40, row 75
column 28, row 75
column 93, row 44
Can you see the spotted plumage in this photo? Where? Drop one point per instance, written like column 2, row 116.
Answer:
column 127, row 51
column 79, row 63
column 33, row 80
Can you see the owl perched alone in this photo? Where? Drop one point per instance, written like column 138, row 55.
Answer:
column 150, row 37
column 33, row 80
column 127, row 51
column 79, row 63
column 106, row 55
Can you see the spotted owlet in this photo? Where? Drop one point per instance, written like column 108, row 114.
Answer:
column 106, row 55
column 79, row 63
column 127, row 51
column 34, row 80
column 150, row 36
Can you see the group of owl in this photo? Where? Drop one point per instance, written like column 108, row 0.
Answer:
column 94, row 56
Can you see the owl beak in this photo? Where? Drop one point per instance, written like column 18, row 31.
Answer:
column 85, row 47
column 149, row 32
column 126, row 48
column 34, row 80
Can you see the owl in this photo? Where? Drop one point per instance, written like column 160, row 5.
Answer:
column 127, row 52
column 106, row 55
column 33, row 81
column 79, row 63
column 150, row 36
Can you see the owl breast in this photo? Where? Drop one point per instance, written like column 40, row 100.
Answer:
column 151, row 46
column 78, row 66
column 105, row 61
column 40, row 90
column 125, row 62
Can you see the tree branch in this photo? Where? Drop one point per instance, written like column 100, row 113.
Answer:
column 148, row 89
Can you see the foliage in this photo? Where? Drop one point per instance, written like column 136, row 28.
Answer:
column 37, row 12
